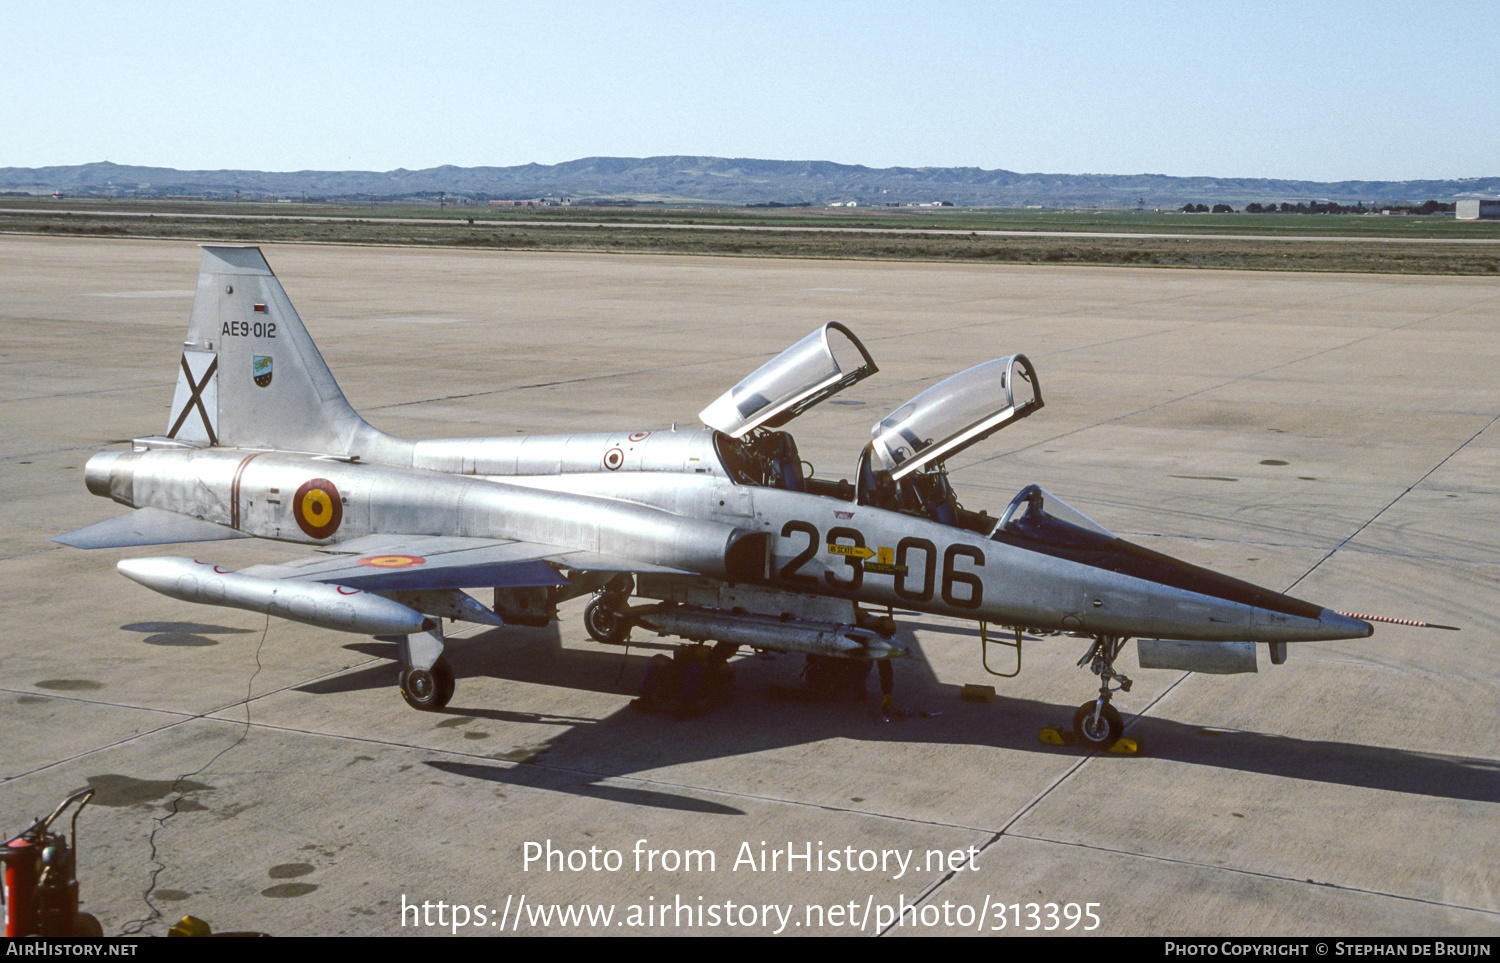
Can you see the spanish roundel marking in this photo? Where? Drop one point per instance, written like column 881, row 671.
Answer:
column 613, row 459
column 391, row 561
column 317, row 508
column 640, row 436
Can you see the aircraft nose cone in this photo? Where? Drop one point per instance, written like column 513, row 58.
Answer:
column 1340, row 626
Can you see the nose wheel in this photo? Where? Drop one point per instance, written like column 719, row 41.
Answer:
column 1097, row 724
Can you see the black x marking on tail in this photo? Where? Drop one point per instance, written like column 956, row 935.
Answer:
column 196, row 400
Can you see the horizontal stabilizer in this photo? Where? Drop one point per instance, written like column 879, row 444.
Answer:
column 146, row 526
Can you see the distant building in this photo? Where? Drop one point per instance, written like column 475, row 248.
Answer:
column 1477, row 209
column 535, row 202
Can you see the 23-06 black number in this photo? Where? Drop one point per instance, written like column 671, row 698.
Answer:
column 962, row 589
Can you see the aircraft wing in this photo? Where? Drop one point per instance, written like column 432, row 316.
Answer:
column 396, row 563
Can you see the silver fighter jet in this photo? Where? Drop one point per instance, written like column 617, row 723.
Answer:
column 715, row 534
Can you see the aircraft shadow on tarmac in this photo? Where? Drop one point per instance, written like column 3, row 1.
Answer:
column 181, row 633
column 754, row 719
column 582, row 784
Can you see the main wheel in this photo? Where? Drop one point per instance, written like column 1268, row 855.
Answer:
column 429, row 690
column 1100, row 733
column 88, row 926
column 605, row 622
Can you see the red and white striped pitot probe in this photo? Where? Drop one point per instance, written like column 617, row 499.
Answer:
column 1382, row 618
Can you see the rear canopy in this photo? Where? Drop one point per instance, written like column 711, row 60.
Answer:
column 809, row 372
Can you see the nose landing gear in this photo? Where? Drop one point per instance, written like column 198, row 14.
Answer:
column 1097, row 724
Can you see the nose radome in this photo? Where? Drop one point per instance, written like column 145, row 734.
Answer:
column 1341, row 626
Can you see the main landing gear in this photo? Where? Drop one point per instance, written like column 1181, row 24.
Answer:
column 604, row 620
column 686, row 683
column 427, row 681
column 1097, row 723
column 429, row 689
column 839, row 655
column 605, row 617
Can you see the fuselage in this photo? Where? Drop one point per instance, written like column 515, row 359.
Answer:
column 668, row 496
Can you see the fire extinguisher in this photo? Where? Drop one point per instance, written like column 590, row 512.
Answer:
column 41, row 879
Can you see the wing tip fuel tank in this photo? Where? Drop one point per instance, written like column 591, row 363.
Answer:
column 326, row 606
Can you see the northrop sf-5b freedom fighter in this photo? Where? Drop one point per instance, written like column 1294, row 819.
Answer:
column 714, row 534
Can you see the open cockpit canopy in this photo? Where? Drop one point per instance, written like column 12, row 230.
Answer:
column 954, row 414
column 810, row 371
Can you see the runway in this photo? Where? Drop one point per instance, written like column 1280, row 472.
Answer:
column 1333, row 436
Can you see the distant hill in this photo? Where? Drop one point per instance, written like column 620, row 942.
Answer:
column 733, row 181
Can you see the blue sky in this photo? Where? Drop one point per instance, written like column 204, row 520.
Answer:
column 1314, row 90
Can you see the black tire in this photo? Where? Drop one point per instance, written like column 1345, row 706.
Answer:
column 87, row 926
column 1098, row 734
column 429, row 690
column 604, row 622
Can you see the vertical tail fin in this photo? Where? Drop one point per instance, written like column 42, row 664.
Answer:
column 251, row 376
